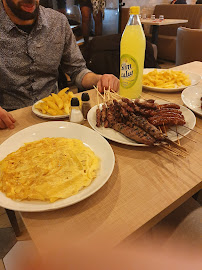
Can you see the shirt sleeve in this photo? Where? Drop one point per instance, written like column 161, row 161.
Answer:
column 72, row 61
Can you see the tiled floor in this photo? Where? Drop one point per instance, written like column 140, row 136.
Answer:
column 21, row 256
column 8, row 239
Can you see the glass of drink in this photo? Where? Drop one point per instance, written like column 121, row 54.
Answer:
column 140, row 16
column 161, row 17
column 153, row 17
column 144, row 16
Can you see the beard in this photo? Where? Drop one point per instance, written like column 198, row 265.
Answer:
column 22, row 14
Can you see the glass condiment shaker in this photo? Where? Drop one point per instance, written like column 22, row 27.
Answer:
column 85, row 104
column 76, row 115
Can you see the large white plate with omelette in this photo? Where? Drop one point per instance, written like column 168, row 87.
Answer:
column 89, row 137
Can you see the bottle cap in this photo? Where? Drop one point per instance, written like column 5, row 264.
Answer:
column 85, row 97
column 74, row 102
column 135, row 10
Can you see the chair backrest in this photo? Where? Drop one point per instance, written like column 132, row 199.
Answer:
column 192, row 13
column 188, row 45
column 103, row 55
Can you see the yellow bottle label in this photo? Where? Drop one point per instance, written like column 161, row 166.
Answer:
column 129, row 71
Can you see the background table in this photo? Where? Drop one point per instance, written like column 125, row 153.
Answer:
column 156, row 23
column 146, row 184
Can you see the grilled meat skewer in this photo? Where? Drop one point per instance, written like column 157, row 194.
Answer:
column 146, row 126
column 134, row 133
column 98, row 117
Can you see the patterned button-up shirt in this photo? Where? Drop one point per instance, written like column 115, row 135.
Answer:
column 29, row 62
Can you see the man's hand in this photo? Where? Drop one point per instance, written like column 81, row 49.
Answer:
column 101, row 81
column 6, row 119
column 108, row 81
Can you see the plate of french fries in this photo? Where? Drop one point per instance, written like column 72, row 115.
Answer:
column 168, row 80
column 55, row 106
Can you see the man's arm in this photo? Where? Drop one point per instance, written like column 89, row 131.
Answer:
column 101, row 81
column 74, row 65
column 6, row 119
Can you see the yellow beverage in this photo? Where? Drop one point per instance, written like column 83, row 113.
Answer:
column 132, row 57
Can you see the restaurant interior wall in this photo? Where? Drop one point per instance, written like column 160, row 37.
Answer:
column 147, row 6
column 111, row 18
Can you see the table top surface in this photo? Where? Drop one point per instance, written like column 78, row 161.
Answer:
column 163, row 22
column 147, row 184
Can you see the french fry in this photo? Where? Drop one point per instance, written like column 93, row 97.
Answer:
column 57, row 104
column 63, row 91
column 166, row 79
column 52, row 105
column 52, row 112
column 58, row 101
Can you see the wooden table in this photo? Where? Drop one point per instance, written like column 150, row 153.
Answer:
column 146, row 185
column 157, row 23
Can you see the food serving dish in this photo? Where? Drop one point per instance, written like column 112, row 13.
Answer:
column 90, row 138
column 47, row 116
column 195, row 78
column 118, row 137
column 191, row 97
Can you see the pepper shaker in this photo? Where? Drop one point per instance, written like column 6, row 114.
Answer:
column 85, row 104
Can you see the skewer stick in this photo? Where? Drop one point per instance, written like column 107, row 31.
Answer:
column 116, row 93
column 176, row 145
column 98, row 92
column 113, row 96
column 173, row 151
column 185, row 136
column 177, row 137
column 108, row 97
column 158, row 97
column 192, row 130
column 98, row 100
column 165, row 129
column 160, row 129
column 178, row 150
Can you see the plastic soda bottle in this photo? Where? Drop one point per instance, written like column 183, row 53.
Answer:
column 132, row 55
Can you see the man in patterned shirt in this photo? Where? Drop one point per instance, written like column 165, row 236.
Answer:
column 34, row 41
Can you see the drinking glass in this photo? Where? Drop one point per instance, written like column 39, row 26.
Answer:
column 161, row 17
column 153, row 17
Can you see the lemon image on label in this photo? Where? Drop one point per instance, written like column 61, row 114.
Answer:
column 129, row 71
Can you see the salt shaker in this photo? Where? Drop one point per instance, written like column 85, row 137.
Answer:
column 76, row 115
column 85, row 104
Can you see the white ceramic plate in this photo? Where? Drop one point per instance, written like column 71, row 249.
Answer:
column 191, row 97
column 46, row 116
column 195, row 78
column 120, row 138
column 60, row 129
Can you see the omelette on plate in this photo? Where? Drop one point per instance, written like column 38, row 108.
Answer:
column 48, row 170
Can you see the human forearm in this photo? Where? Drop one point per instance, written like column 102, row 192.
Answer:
column 90, row 79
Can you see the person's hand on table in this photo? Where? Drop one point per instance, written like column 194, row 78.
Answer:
column 6, row 119
column 108, row 81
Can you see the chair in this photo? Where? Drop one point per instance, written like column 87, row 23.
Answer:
column 102, row 55
column 13, row 220
column 188, row 47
